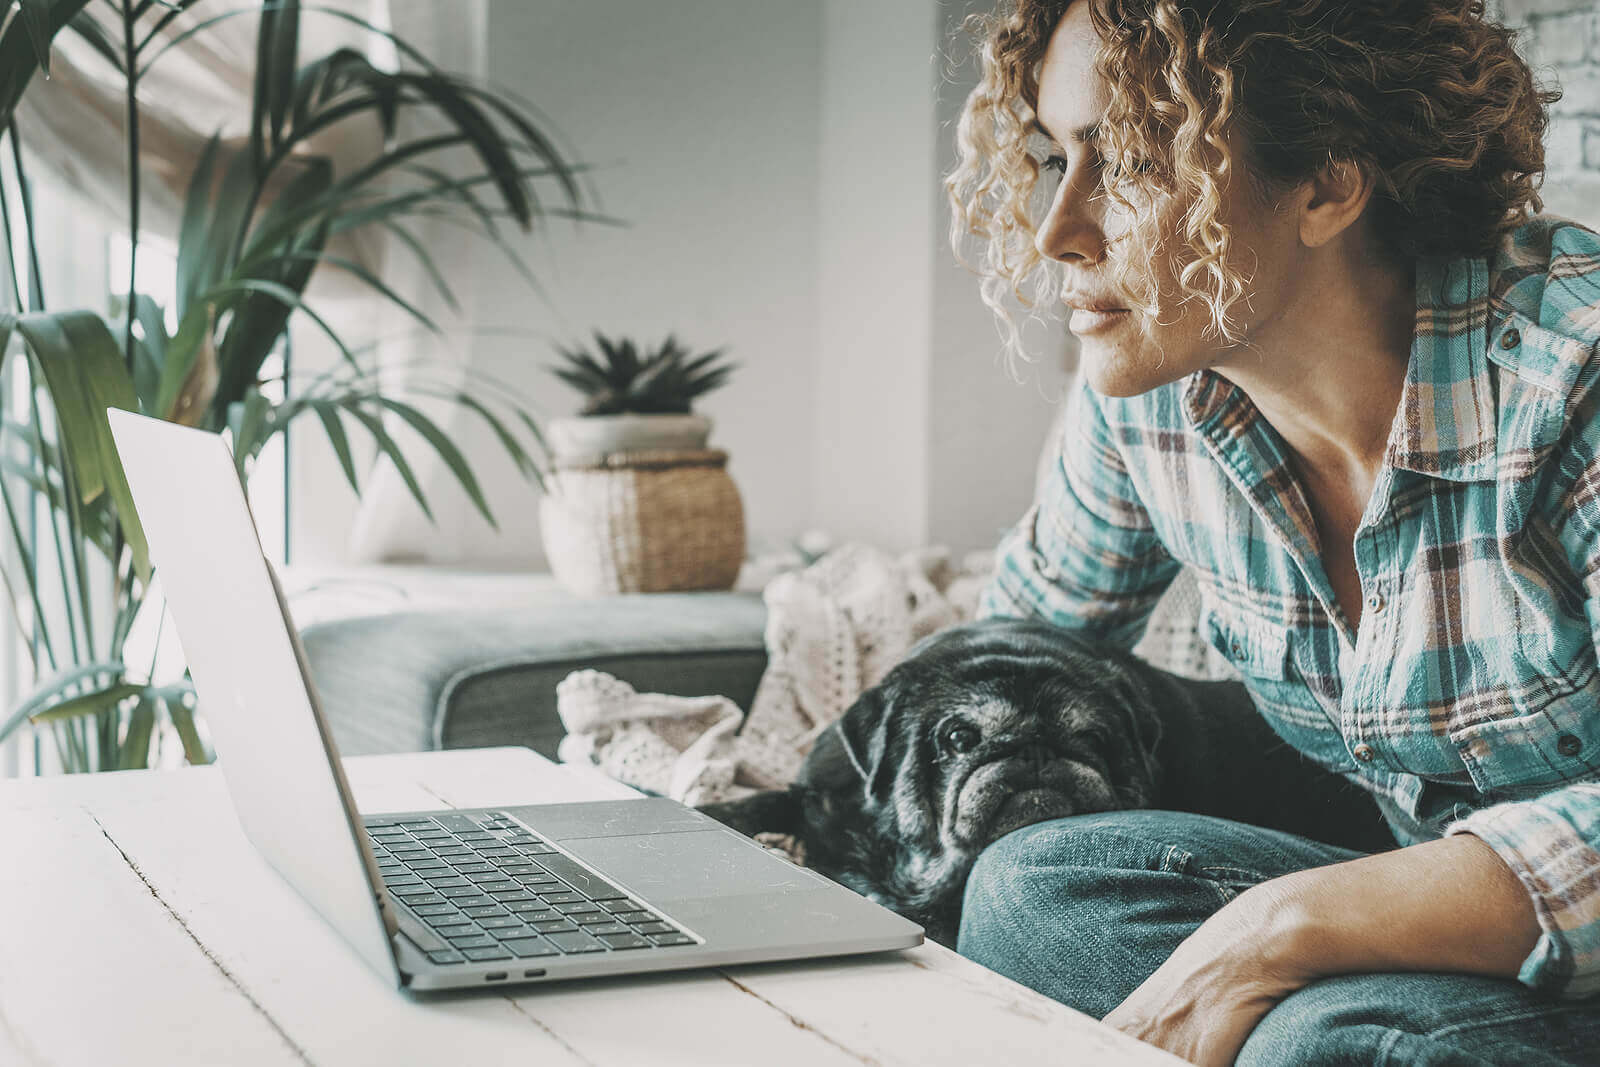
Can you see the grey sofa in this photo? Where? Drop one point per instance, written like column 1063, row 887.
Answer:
column 420, row 680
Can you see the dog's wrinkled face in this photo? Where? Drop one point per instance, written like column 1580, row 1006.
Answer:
column 992, row 726
column 984, row 728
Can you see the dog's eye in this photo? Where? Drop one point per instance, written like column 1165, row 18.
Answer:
column 959, row 736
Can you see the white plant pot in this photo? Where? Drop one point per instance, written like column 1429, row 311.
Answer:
column 595, row 435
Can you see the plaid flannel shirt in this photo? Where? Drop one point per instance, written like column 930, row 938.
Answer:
column 1468, row 700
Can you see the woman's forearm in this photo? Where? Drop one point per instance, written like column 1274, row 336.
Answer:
column 1446, row 905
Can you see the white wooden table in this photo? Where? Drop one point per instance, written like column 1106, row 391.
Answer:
column 138, row 926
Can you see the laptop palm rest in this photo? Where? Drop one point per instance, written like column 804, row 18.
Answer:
column 686, row 866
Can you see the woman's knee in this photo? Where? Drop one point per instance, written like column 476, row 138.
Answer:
column 1065, row 906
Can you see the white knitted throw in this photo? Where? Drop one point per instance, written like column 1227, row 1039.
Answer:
column 833, row 631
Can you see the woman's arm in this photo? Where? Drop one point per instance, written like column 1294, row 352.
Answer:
column 1446, row 905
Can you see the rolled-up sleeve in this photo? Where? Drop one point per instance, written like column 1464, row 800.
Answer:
column 1085, row 555
column 1551, row 845
column 1552, row 842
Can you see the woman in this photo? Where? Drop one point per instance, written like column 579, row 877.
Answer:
column 1336, row 364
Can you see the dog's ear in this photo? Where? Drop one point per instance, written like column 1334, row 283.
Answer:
column 864, row 733
column 776, row 811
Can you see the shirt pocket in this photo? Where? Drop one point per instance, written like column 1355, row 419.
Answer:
column 1256, row 650
column 1529, row 754
column 1263, row 656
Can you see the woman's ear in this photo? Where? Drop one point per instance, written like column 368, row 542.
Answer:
column 1333, row 200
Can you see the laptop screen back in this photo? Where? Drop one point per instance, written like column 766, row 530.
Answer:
column 279, row 763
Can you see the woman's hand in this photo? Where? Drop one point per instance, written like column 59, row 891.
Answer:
column 1206, row 999
column 1447, row 905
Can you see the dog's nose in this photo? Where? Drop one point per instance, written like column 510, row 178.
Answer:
column 1036, row 753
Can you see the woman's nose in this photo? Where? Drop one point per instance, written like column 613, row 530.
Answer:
column 1071, row 229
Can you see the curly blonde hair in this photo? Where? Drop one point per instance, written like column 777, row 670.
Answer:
column 1426, row 96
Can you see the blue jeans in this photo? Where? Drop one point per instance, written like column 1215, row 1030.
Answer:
column 1085, row 908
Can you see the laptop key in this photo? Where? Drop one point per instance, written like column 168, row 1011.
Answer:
column 528, row 947
column 624, row 940
column 551, row 926
column 592, row 885
column 442, row 880
column 490, row 887
column 589, row 919
column 653, row 928
column 496, row 953
column 475, row 866
column 428, row 897
column 417, row 824
column 485, row 911
column 505, row 896
column 532, row 909
column 576, row 907
column 471, row 940
column 559, row 898
column 605, row 927
column 489, row 922
column 479, row 901
column 536, row 878
column 625, row 904
column 430, row 910
column 507, row 933
column 446, row 956
column 636, row 916
column 672, row 939
column 457, row 891
column 574, row 942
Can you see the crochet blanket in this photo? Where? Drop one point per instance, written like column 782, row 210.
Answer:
column 834, row 629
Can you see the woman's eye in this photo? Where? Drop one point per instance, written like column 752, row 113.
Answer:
column 1140, row 166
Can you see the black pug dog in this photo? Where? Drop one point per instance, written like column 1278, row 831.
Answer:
column 997, row 724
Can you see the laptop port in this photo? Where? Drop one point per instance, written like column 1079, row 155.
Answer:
column 534, row 974
column 495, row 976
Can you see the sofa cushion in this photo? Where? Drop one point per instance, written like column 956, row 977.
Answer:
column 414, row 681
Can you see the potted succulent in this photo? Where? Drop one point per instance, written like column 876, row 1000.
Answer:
column 635, row 401
column 636, row 502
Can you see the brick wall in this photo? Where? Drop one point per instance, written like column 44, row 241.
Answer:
column 1561, row 40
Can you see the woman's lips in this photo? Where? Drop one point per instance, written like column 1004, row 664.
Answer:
column 1085, row 321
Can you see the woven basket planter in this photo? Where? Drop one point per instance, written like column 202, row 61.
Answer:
column 644, row 522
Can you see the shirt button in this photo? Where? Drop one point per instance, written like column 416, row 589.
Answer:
column 1236, row 650
column 1363, row 752
column 1375, row 602
column 1568, row 745
column 1510, row 339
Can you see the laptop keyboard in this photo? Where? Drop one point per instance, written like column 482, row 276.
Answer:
column 480, row 886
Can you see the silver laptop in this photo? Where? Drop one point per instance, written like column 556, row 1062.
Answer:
column 447, row 899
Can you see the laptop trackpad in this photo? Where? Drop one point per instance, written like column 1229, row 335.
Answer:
column 699, row 863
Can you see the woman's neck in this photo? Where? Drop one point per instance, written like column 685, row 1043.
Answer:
column 1330, row 369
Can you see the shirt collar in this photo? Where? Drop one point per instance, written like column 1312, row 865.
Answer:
column 1446, row 422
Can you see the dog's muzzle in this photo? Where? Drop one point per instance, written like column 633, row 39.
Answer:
column 1016, row 791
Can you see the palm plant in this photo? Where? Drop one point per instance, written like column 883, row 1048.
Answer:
column 245, row 258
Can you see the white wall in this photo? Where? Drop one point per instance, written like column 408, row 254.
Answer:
column 779, row 163
column 702, row 115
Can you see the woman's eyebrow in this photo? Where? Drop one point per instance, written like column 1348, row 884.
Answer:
column 1089, row 134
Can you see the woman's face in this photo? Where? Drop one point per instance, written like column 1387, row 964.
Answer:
column 1082, row 226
